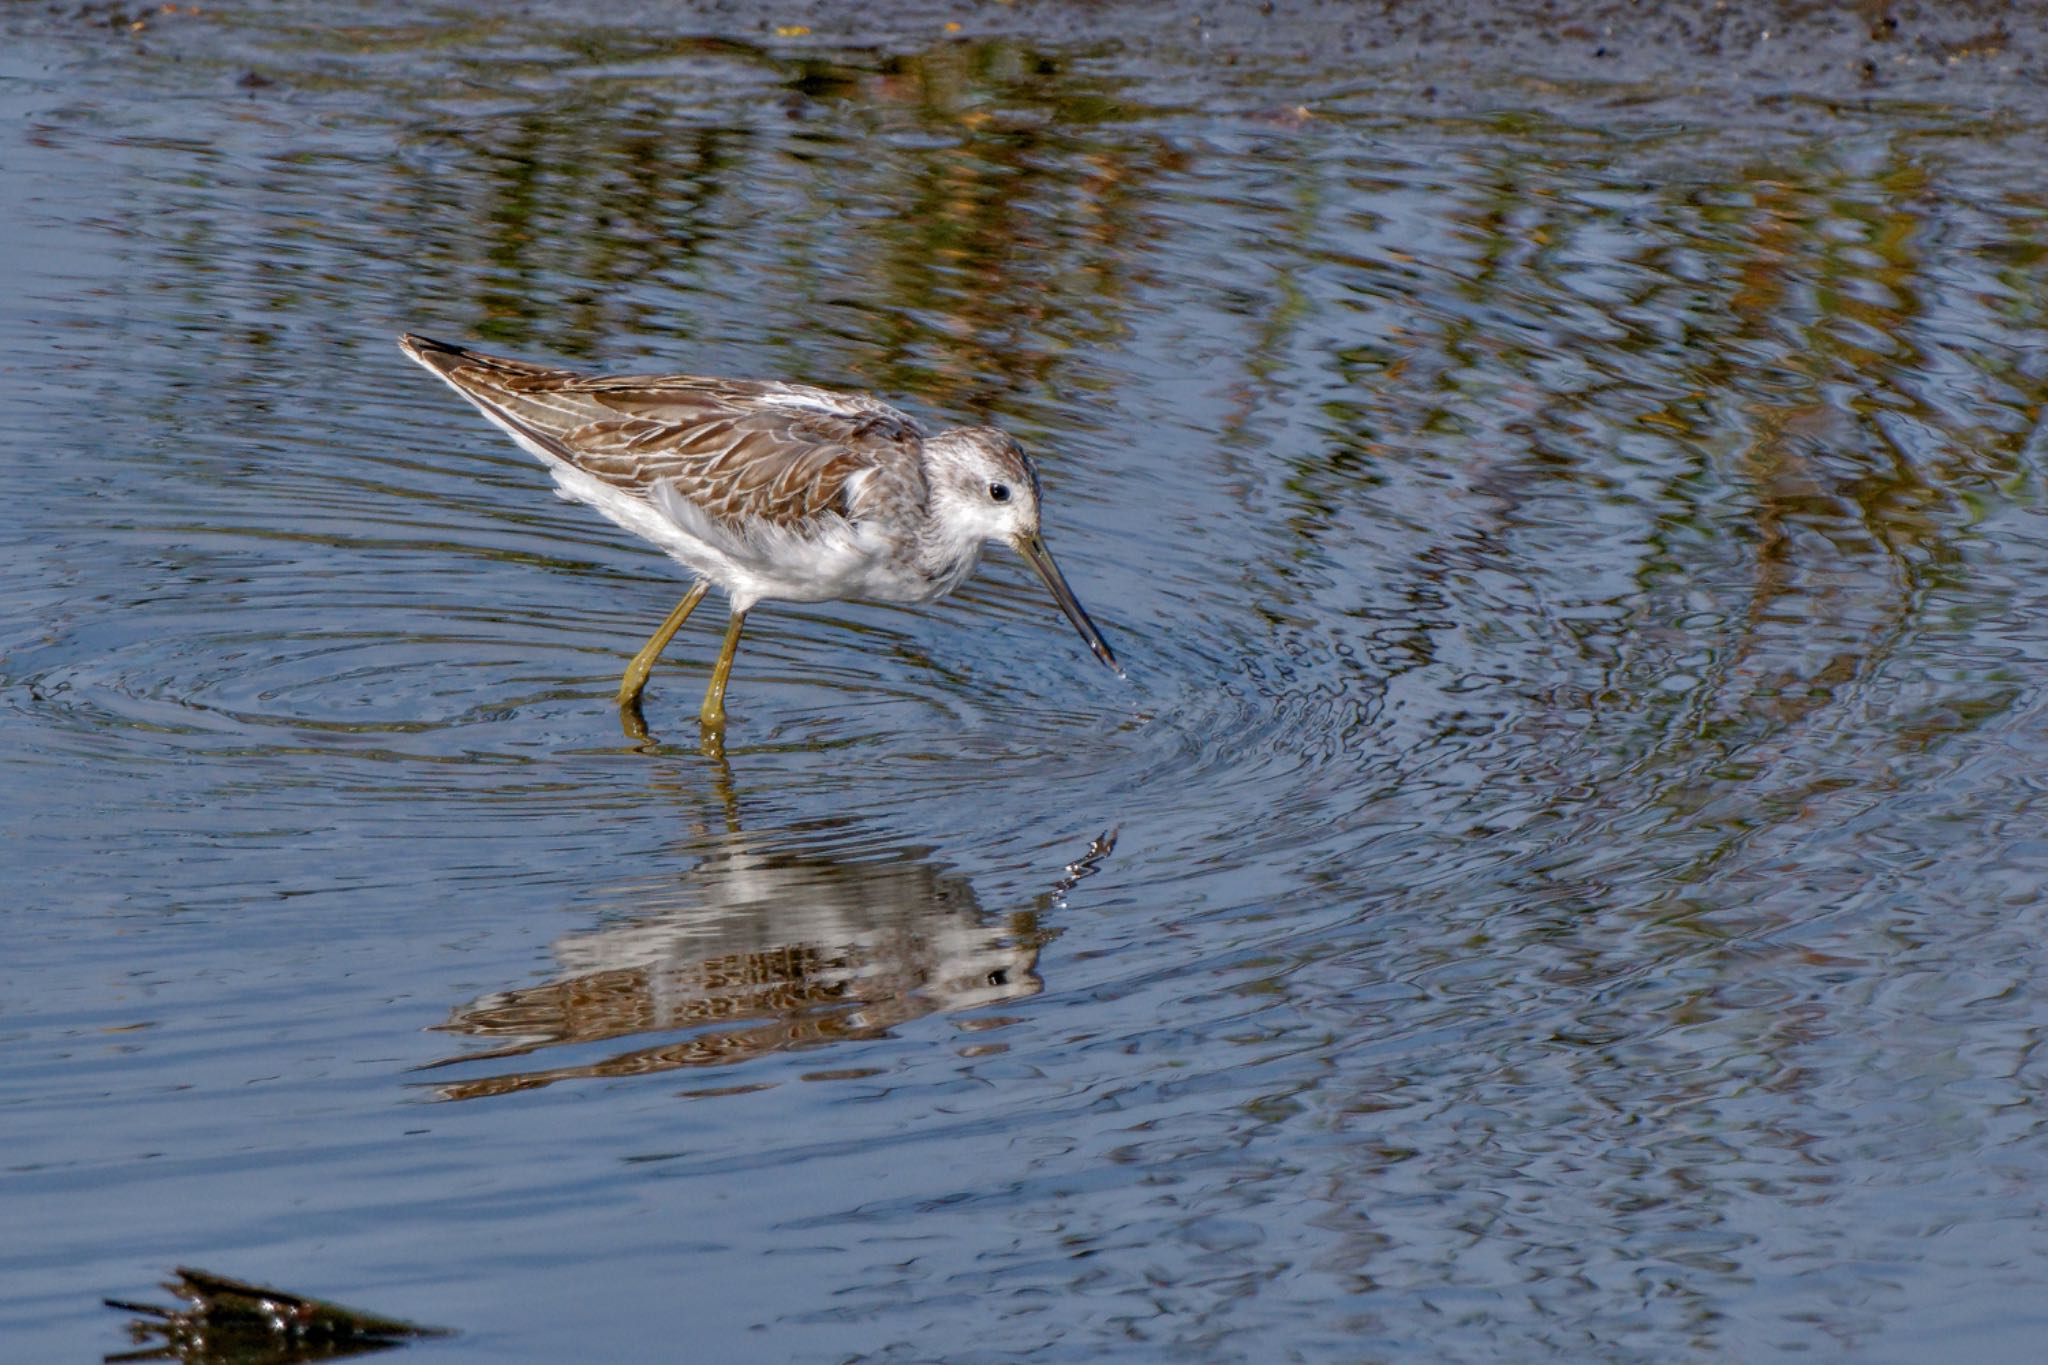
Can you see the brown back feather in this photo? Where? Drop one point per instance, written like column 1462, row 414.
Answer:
column 742, row 450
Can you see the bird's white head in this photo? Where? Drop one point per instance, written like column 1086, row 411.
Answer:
column 983, row 488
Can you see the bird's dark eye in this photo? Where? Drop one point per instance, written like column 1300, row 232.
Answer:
column 999, row 492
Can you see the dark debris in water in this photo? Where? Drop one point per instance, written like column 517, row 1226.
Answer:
column 233, row 1322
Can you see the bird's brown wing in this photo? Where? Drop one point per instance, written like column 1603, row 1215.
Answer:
column 743, row 451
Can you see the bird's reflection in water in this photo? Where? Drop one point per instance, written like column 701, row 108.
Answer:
column 765, row 945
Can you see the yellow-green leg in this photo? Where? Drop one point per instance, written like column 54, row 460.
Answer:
column 635, row 681
column 713, row 712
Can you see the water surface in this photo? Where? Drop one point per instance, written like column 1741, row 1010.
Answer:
column 1561, row 880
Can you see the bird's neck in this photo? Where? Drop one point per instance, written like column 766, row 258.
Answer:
column 945, row 559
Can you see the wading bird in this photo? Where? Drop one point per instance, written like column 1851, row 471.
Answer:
column 774, row 492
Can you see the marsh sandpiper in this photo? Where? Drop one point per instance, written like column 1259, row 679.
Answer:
column 774, row 492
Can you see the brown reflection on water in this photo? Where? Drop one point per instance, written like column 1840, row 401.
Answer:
column 1824, row 446
column 1774, row 351
column 1019, row 211
column 766, row 944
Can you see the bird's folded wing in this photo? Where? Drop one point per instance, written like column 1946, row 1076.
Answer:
column 740, row 451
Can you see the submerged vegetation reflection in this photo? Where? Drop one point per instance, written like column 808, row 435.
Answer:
column 964, row 218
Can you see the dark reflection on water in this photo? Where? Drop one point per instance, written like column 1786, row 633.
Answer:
column 1577, row 879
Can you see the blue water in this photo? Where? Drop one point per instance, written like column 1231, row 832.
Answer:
column 1562, row 880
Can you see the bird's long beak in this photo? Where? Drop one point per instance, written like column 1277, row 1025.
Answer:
column 1032, row 547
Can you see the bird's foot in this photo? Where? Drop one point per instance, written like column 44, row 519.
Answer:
column 632, row 722
column 711, row 743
